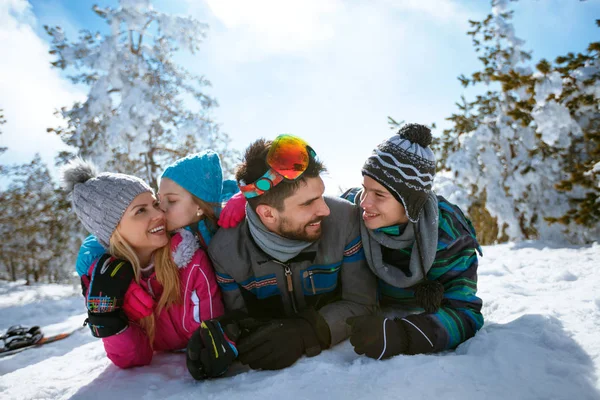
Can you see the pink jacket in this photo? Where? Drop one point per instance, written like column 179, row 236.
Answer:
column 174, row 325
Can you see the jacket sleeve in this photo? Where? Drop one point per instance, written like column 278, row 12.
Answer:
column 232, row 296
column 460, row 315
column 359, row 287
column 130, row 348
column 202, row 295
column 89, row 252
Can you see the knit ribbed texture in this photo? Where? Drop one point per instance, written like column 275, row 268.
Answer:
column 99, row 201
column 200, row 174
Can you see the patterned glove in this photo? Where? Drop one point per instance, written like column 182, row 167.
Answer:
column 234, row 211
column 377, row 337
column 110, row 280
column 210, row 352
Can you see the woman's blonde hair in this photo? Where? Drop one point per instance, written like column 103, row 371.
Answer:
column 166, row 271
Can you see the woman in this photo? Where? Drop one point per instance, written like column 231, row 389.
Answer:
column 191, row 194
column 166, row 289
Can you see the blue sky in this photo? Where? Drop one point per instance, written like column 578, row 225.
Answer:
column 329, row 71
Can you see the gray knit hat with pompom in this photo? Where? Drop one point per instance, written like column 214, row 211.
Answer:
column 405, row 165
column 99, row 200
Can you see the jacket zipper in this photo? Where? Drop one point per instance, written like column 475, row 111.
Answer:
column 289, row 283
column 312, row 281
column 309, row 274
column 290, row 286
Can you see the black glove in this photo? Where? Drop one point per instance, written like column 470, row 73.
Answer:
column 210, row 351
column 278, row 343
column 109, row 282
column 377, row 337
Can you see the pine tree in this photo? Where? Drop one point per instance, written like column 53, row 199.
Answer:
column 510, row 147
column 143, row 110
column 40, row 235
column 2, row 149
column 580, row 96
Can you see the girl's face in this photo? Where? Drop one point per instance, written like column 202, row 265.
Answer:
column 380, row 208
column 178, row 205
column 143, row 225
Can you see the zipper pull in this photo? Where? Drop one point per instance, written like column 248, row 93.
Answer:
column 290, row 285
column 309, row 274
column 288, row 276
column 312, row 282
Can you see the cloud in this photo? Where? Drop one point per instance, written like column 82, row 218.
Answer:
column 447, row 11
column 252, row 30
column 30, row 90
column 278, row 26
column 337, row 87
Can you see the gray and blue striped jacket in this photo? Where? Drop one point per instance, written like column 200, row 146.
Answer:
column 331, row 275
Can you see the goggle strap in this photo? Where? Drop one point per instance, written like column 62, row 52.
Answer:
column 269, row 179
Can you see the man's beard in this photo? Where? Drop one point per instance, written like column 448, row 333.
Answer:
column 299, row 233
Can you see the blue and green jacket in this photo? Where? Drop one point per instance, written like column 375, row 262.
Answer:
column 455, row 267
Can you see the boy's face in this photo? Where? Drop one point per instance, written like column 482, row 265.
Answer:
column 380, row 208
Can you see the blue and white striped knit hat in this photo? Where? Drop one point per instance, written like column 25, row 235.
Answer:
column 405, row 165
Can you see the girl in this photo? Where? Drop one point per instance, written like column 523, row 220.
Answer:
column 166, row 289
column 191, row 195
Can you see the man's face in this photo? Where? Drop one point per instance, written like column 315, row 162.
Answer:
column 303, row 212
column 380, row 208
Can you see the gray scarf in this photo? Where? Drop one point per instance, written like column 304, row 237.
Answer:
column 428, row 238
column 282, row 249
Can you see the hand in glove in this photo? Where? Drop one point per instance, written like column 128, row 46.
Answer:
column 210, row 351
column 234, row 211
column 105, row 296
column 279, row 343
column 377, row 337
column 138, row 303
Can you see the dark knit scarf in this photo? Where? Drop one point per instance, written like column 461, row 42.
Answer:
column 426, row 226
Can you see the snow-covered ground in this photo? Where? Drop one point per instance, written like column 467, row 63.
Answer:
column 541, row 340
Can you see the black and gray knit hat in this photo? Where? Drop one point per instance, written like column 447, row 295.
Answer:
column 405, row 165
column 99, row 200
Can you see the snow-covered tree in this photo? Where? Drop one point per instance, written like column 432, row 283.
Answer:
column 2, row 122
column 40, row 235
column 522, row 155
column 143, row 110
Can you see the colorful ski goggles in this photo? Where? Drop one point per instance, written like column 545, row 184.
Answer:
column 288, row 158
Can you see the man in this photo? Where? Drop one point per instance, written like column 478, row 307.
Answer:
column 422, row 249
column 294, row 270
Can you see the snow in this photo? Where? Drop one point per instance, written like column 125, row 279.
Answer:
column 540, row 341
column 555, row 124
column 552, row 84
